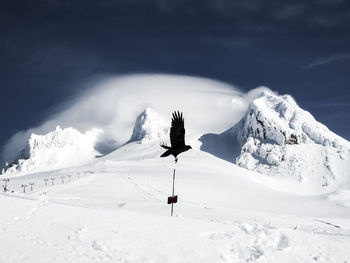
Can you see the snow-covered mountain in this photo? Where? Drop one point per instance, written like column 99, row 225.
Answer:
column 278, row 138
column 149, row 126
column 68, row 147
column 114, row 208
column 275, row 137
column 57, row 149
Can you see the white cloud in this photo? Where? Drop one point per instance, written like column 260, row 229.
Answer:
column 327, row 60
column 114, row 104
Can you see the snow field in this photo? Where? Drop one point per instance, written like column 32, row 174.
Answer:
column 287, row 200
column 118, row 213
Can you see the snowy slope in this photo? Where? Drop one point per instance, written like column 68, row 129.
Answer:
column 115, row 210
column 276, row 137
column 57, row 149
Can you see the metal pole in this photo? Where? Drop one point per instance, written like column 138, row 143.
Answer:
column 172, row 204
column 6, row 180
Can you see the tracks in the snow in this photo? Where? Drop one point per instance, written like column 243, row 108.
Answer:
column 249, row 242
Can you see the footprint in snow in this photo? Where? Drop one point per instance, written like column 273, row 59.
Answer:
column 259, row 240
column 283, row 242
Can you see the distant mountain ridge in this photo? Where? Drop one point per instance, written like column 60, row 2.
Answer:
column 68, row 147
column 277, row 137
column 57, row 149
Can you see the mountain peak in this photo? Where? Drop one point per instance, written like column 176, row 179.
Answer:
column 279, row 120
column 57, row 149
column 277, row 137
column 149, row 126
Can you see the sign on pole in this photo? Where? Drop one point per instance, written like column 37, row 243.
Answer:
column 172, row 199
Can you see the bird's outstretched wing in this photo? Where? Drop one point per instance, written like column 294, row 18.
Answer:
column 177, row 130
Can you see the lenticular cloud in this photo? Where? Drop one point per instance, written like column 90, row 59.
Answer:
column 113, row 105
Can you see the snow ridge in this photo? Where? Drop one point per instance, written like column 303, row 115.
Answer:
column 277, row 137
column 280, row 120
column 148, row 127
column 57, row 149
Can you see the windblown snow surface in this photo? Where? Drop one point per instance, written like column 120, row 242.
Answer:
column 264, row 182
column 57, row 149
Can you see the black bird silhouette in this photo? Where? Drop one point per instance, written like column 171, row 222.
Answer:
column 177, row 137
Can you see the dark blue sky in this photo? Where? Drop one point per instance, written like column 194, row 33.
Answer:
column 49, row 48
